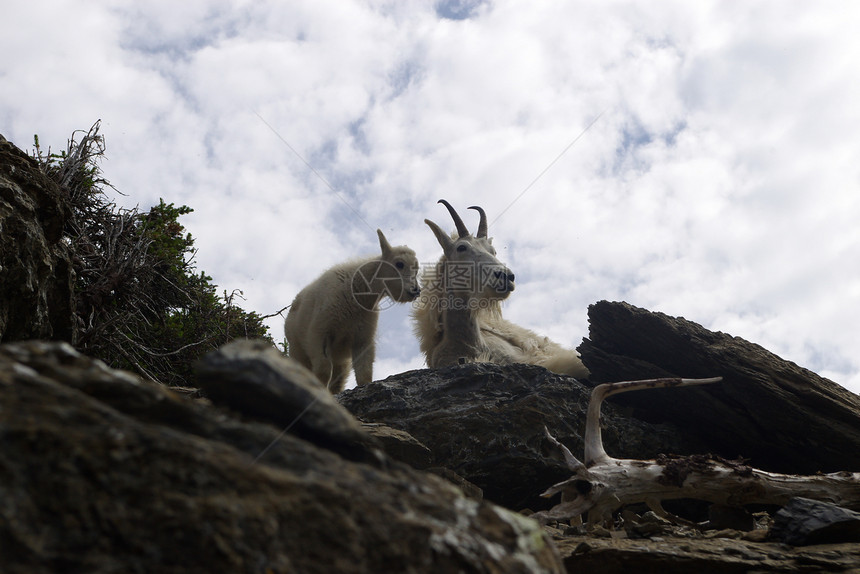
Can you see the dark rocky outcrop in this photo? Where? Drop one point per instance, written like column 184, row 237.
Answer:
column 486, row 423
column 104, row 472
column 719, row 553
column 778, row 415
column 253, row 378
column 36, row 275
column 803, row 522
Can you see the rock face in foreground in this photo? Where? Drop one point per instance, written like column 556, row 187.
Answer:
column 253, row 378
column 102, row 472
column 486, row 423
column 36, row 275
column 781, row 417
column 718, row 553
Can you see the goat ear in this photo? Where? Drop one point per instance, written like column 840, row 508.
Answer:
column 443, row 238
column 383, row 243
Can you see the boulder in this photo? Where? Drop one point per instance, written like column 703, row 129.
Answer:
column 779, row 416
column 802, row 522
column 254, row 378
column 104, row 472
column 36, row 274
column 401, row 445
column 486, row 423
column 726, row 553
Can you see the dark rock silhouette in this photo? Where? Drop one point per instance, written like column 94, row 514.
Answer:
column 36, row 276
column 486, row 423
column 802, row 522
column 104, row 472
column 778, row 415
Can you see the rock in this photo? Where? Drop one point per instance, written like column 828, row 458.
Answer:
column 104, row 472
column 469, row 489
column 401, row 445
column 254, row 378
column 779, row 416
column 755, row 535
column 646, row 526
column 803, row 521
column 671, row 555
column 486, row 423
column 36, row 274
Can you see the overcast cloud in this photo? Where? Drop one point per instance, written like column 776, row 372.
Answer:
column 719, row 179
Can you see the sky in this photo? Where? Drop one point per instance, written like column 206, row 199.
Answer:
column 700, row 159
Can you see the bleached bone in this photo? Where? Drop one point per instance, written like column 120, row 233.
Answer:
column 603, row 484
column 594, row 452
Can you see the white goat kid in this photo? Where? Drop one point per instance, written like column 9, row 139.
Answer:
column 459, row 318
column 332, row 322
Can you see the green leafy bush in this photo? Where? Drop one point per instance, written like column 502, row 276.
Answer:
column 140, row 303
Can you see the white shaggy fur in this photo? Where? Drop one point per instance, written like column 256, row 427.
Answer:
column 332, row 322
column 459, row 319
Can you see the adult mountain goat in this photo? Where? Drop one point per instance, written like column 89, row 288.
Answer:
column 332, row 322
column 459, row 317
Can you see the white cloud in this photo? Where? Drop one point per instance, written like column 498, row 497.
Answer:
column 720, row 182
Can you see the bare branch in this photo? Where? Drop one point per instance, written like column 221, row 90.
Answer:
column 278, row 312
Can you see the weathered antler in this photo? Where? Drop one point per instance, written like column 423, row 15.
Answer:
column 482, row 226
column 462, row 230
column 594, row 452
column 603, row 484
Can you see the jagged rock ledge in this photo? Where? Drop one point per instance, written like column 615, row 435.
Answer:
column 103, row 472
column 486, row 423
column 779, row 416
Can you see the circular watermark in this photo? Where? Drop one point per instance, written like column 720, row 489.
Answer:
column 378, row 285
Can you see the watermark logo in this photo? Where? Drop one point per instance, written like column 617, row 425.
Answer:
column 378, row 285
column 469, row 277
column 451, row 303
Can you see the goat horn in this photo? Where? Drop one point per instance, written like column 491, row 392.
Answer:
column 461, row 227
column 482, row 226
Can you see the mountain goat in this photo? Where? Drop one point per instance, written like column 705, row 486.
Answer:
column 332, row 322
column 459, row 317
